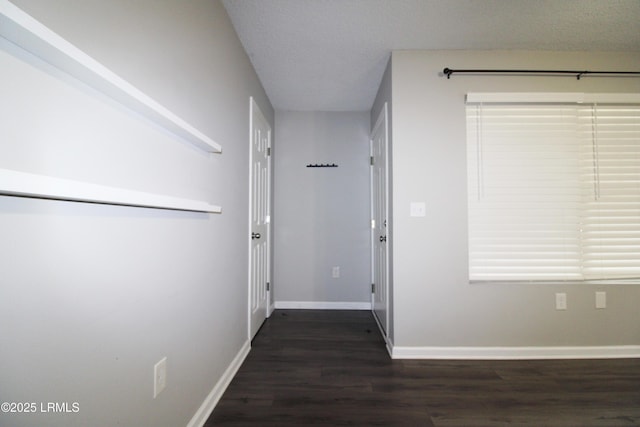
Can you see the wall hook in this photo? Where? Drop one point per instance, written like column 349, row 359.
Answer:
column 322, row 165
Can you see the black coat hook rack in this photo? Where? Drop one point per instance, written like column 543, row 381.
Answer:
column 322, row 165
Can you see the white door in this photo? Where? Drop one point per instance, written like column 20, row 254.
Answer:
column 260, row 208
column 379, row 218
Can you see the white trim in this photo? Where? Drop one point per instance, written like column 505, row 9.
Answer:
column 14, row 183
column 256, row 114
column 612, row 98
column 24, row 31
column 387, row 340
column 383, row 119
column 514, row 353
column 207, row 407
column 566, row 97
column 271, row 308
column 249, row 220
column 553, row 97
column 389, row 345
column 322, row 305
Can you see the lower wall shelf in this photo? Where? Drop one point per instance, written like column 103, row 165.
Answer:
column 14, row 183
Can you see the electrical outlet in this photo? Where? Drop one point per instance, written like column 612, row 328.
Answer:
column 418, row 209
column 335, row 272
column 561, row 301
column 159, row 376
column 601, row 300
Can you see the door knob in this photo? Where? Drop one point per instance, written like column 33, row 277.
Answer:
column 255, row 236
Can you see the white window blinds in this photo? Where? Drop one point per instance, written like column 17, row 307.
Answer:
column 554, row 189
column 611, row 210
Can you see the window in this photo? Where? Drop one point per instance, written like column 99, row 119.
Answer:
column 554, row 187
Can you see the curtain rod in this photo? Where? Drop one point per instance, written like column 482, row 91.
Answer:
column 578, row 73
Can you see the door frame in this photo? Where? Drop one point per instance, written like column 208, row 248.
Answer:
column 383, row 119
column 253, row 107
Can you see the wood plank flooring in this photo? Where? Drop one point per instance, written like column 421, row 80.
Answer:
column 330, row 368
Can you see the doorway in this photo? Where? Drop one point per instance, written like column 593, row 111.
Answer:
column 259, row 219
column 379, row 221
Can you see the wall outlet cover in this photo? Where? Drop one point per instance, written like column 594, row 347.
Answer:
column 601, row 300
column 418, row 209
column 335, row 272
column 561, row 301
column 159, row 376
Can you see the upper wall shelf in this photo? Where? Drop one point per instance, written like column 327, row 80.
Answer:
column 24, row 31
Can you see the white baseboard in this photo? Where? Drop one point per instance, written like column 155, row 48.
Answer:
column 205, row 410
column 322, row 305
column 514, row 353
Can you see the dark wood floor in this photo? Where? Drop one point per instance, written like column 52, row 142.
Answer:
column 330, row 368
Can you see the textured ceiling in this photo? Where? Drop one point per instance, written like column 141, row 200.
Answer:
column 329, row 55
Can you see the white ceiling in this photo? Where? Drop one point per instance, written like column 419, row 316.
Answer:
column 329, row 55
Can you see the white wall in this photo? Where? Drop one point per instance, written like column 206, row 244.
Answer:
column 322, row 214
column 434, row 303
column 92, row 296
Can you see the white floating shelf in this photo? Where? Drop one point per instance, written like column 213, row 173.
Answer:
column 14, row 183
column 24, row 31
